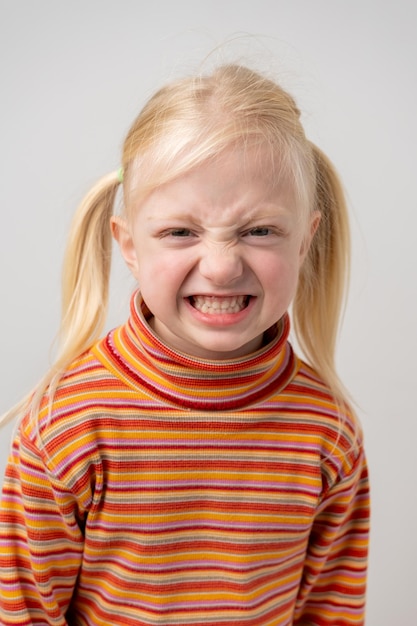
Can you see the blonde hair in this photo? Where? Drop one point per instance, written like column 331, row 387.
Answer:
column 183, row 125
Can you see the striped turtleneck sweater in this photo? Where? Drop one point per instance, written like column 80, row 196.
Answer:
column 163, row 489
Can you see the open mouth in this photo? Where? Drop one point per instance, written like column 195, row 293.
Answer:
column 215, row 305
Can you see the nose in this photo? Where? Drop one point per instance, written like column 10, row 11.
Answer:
column 221, row 265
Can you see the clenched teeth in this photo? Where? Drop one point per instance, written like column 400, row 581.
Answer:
column 217, row 306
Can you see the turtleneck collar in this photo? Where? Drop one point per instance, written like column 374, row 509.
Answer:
column 137, row 356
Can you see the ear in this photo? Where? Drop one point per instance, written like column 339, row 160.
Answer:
column 123, row 236
column 314, row 218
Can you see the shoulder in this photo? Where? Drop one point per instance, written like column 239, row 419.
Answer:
column 64, row 426
column 334, row 424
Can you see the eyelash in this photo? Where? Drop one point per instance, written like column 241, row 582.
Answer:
column 179, row 232
column 259, row 231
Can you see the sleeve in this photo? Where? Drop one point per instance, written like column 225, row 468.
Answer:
column 41, row 541
column 333, row 586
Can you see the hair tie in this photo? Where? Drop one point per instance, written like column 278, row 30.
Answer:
column 120, row 175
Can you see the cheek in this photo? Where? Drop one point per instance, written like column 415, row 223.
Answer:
column 279, row 276
column 282, row 265
column 162, row 269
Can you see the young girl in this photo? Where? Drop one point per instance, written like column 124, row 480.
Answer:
column 189, row 468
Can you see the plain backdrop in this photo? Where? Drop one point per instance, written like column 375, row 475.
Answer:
column 74, row 75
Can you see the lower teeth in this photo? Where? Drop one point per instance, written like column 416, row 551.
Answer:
column 209, row 309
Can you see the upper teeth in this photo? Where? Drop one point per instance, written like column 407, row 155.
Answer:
column 213, row 304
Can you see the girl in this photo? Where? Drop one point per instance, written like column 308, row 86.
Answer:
column 189, row 468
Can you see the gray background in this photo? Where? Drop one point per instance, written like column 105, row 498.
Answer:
column 73, row 76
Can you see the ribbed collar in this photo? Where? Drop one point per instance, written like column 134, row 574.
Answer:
column 136, row 355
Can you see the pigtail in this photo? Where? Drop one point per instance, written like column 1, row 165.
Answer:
column 324, row 277
column 85, row 288
column 86, row 271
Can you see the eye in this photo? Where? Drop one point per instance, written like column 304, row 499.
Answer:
column 179, row 232
column 259, row 231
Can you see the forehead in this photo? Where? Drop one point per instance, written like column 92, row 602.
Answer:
column 237, row 180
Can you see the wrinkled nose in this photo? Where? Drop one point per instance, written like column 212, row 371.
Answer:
column 221, row 265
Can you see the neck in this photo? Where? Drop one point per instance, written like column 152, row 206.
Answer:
column 139, row 356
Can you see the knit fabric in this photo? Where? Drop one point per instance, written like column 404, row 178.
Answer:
column 163, row 489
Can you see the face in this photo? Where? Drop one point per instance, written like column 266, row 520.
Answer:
column 217, row 253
